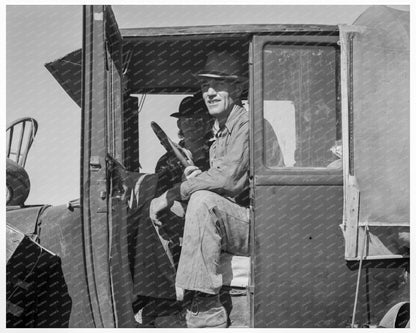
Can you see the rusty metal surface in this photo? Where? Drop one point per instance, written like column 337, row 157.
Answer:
column 67, row 71
column 37, row 293
column 23, row 219
column 93, row 177
column 300, row 276
column 60, row 231
column 104, row 221
column 229, row 29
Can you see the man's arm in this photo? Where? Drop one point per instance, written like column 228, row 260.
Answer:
column 227, row 175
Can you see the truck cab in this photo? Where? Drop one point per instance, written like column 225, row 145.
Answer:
column 329, row 228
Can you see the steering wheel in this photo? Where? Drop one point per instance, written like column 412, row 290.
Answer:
column 169, row 145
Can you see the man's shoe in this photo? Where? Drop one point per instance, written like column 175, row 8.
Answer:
column 143, row 321
column 205, row 311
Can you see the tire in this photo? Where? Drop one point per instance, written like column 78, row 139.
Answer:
column 398, row 316
column 17, row 182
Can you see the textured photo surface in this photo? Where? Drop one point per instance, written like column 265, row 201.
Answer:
column 175, row 166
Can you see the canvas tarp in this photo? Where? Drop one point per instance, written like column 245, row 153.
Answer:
column 379, row 133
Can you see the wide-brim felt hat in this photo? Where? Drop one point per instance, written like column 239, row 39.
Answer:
column 192, row 107
column 223, row 65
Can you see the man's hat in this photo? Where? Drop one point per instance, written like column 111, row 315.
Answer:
column 192, row 107
column 223, row 65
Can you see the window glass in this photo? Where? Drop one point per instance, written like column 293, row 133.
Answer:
column 300, row 107
column 114, row 116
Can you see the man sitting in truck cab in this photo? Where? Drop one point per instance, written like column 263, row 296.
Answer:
column 217, row 214
column 195, row 133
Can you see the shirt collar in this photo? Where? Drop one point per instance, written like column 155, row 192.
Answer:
column 231, row 120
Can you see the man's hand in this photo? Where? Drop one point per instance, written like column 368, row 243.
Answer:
column 158, row 205
column 163, row 202
column 188, row 154
column 191, row 172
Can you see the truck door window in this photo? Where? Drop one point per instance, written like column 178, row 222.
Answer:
column 300, row 105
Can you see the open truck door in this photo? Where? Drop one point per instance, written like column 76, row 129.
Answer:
column 103, row 210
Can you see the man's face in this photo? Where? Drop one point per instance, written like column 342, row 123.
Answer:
column 219, row 96
column 194, row 131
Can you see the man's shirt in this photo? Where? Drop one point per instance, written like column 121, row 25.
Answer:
column 229, row 161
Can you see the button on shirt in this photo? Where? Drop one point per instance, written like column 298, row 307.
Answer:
column 229, row 161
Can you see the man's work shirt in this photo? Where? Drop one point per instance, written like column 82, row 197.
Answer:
column 229, row 161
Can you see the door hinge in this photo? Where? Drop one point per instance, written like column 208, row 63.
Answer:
column 99, row 16
column 95, row 163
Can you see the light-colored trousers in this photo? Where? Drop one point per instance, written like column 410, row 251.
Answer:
column 212, row 224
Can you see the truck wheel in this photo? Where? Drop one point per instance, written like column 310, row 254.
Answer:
column 17, row 182
column 397, row 317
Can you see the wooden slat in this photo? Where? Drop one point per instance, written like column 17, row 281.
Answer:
column 9, row 142
column 19, row 145
column 351, row 210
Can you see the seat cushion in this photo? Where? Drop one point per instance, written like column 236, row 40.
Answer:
column 235, row 270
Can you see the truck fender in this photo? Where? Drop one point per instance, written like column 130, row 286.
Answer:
column 398, row 316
